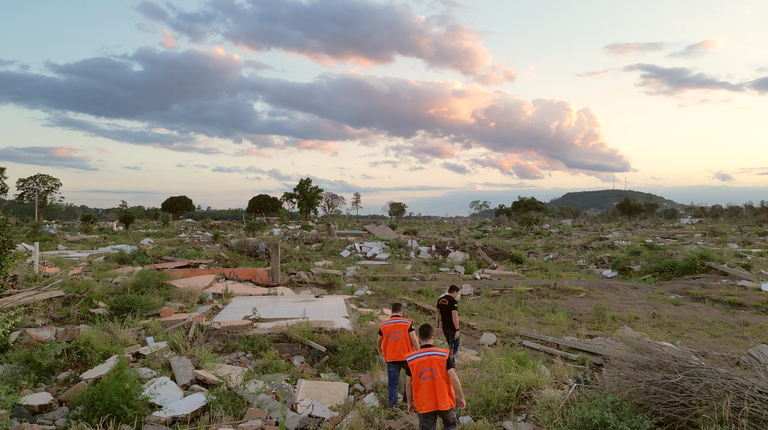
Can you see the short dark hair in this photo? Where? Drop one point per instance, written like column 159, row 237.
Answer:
column 453, row 289
column 426, row 332
column 397, row 308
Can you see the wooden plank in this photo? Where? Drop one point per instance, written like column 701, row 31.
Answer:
column 571, row 344
column 549, row 350
column 28, row 297
column 735, row 272
column 317, row 346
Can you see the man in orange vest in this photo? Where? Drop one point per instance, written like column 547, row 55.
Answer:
column 432, row 385
column 397, row 338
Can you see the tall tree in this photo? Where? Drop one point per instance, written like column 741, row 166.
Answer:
column 396, row 209
column 125, row 215
column 178, row 206
column 476, row 206
column 264, row 204
column 332, row 202
column 356, row 203
column 3, row 185
column 39, row 189
column 305, row 196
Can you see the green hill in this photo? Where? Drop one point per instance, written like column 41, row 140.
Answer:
column 603, row 200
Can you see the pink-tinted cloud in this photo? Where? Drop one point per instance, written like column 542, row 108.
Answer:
column 496, row 74
column 331, row 31
column 252, row 151
column 511, row 165
column 169, row 40
column 594, row 73
column 54, row 156
column 698, row 49
column 630, row 49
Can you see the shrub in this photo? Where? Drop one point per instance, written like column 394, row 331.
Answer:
column 35, row 364
column 94, row 346
column 115, row 399
column 599, row 412
column 355, row 351
column 505, row 379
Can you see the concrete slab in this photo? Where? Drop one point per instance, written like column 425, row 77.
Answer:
column 187, row 407
column 232, row 375
column 193, row 283
column 257, row 274
column 162, row 391
column 183, row 370
column 237, row 289
column 101, row 369
column 327, row 393
column 330, row 309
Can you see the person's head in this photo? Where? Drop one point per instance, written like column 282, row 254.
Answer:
column 426, row 333
column 454, row 290
column 397, row 308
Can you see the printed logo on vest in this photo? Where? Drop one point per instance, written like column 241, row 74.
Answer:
column 395, row 335
column 427, row 374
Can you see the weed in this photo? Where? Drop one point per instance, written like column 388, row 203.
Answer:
column 93, row 346
column 734, row 301
column 34, row 364
column 676, row 301
column 600, row 313
column 596, row 411
column 354, row 351
column 504, row 379
column 116, row 398
column 223, row 402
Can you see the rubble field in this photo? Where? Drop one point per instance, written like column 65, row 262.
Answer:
column 196, row 325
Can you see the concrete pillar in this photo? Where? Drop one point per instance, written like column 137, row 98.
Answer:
column 36, row 257
column 274, row 261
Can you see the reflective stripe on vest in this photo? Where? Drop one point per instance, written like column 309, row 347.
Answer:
column 396, row 342
column 432, row 389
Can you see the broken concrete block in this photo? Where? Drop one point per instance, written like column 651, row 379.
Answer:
column 206, row 376
column 371, row 400
column 466, row 290
column 183, row 370
column 457, row 257
column 166, row 312
column 255, row 414
column 194, row 283
column 314, row 408
column 488, row 339
column 328, row 393
column 236, row 326
column 101, row 369
column 194, row 388
column 153, row 348
column 74, row 391
column 186, row 408
column 146, row 373
column 39, row 403
column 162, row 391
column 233, row 375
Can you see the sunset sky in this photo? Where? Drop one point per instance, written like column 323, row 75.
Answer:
column 433, row 103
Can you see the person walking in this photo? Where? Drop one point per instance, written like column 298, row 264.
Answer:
column 448, row 313
column 396, row 339
column 432, row 385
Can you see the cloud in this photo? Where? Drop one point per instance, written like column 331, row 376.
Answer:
column 149, row 98
column 759, row 85
column 496, row 74
column 331, row 31
column 392, row 163
column 668, row 81
column 723, row 177
column 697, row 49
column 53, row 156
column 631, row 48
column 138, row 168
column 5, row 63
column 257, row 65
column 593, row 73
column 456, row 168
column 511, row 165
column 169, row 40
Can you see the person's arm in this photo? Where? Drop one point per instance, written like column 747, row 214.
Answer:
column 379, row 341
column 414, row 340
column 409, row 394
column 457, row 388
column 455, row 317
column 437, row 319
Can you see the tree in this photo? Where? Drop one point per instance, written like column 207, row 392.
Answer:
column 332, row 203
column 476, row 206
column 3, row 185
column 396, row 209
column 88, row 220
column 264, row 204
column 6, row 246
column 178, row 206
column 630, row 208
column 39, row 189
column 527, row 205
column 125, row 215
column 305, row 196
column 356, row 203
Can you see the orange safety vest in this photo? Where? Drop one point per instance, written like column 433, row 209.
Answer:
column 396, row 342
column 432, row 388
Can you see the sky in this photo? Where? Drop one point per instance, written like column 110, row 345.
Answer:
column 428, row 102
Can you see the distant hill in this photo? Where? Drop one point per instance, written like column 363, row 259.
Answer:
column 603, row 200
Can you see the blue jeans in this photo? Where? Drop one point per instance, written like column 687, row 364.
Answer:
column 393, row 378
column 428, row 421
column 453, row 343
